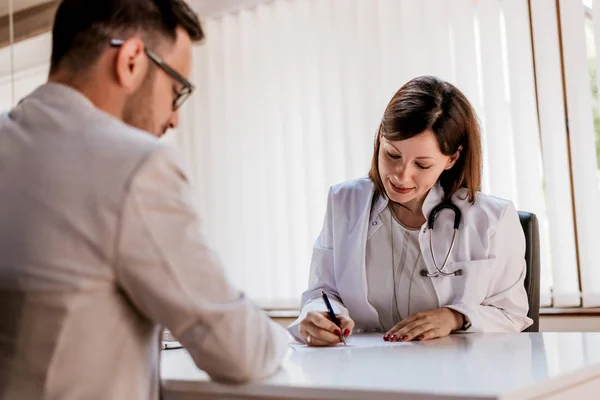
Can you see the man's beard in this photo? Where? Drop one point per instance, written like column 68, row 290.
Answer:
column 138, row 110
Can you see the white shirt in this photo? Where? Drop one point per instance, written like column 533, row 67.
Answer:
column 413, row 293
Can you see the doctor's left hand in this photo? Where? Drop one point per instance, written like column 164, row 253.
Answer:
column 425, row 325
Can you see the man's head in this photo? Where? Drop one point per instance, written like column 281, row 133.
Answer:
column 132, row 58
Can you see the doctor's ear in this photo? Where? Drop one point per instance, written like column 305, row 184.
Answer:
column 453, row 158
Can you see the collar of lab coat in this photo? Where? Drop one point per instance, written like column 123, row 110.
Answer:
column 433, row 198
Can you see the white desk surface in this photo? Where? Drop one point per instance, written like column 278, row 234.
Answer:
column 467, row 366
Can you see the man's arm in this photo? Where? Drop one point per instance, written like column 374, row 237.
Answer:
column 168, row 271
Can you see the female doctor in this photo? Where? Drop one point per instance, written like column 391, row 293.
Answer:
column 388, row 256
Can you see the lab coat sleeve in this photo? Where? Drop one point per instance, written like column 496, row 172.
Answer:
column 505, row 307
column 322, row 276
column 168, row 271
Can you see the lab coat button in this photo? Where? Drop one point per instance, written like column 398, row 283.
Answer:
column 374, row 223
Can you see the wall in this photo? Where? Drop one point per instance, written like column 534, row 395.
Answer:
column 31, row 53
column 565, row 323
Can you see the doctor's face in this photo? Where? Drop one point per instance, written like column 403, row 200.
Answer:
column 409, row 168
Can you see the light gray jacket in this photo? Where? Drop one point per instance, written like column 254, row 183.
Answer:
column 100, row 244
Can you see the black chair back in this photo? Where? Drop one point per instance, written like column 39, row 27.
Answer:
column 530, row 226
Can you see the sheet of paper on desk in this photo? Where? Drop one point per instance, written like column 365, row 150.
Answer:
column 169, row 345
column 356, row 341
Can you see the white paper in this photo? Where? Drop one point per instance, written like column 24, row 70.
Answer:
column 171, row 344
column 365, row 340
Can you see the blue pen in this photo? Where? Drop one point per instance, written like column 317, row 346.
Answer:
column 332, row 316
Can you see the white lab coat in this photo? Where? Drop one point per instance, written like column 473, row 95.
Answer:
column 489, row 247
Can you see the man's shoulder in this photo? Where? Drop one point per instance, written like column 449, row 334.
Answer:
column 118, row 135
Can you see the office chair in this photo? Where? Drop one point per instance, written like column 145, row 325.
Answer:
column 530, row 226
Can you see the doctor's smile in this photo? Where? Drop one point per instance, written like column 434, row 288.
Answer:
column 400, row 189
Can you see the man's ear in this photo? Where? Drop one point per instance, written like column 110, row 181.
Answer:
column 453, row 158
column 131, row 64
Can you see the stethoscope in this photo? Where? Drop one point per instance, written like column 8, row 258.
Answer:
column 457, row 215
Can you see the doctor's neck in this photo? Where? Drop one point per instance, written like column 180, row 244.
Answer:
column 409, row 214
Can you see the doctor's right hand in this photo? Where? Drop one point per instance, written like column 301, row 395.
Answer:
column 318, row 330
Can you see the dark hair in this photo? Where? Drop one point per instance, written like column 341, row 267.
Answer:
column 83, row 28
column 429, row 103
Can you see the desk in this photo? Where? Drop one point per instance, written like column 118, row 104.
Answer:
column 551, row 366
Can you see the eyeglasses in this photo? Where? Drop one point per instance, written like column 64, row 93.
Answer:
column 181, row 95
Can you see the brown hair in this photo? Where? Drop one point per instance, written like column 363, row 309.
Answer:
column 83, row 28
column 429, row 103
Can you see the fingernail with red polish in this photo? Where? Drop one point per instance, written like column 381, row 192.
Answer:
column 386, row 337
column 421, row 337
column 337, row 332
column 404, row 337
column 347, row 332
column 393, row 338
